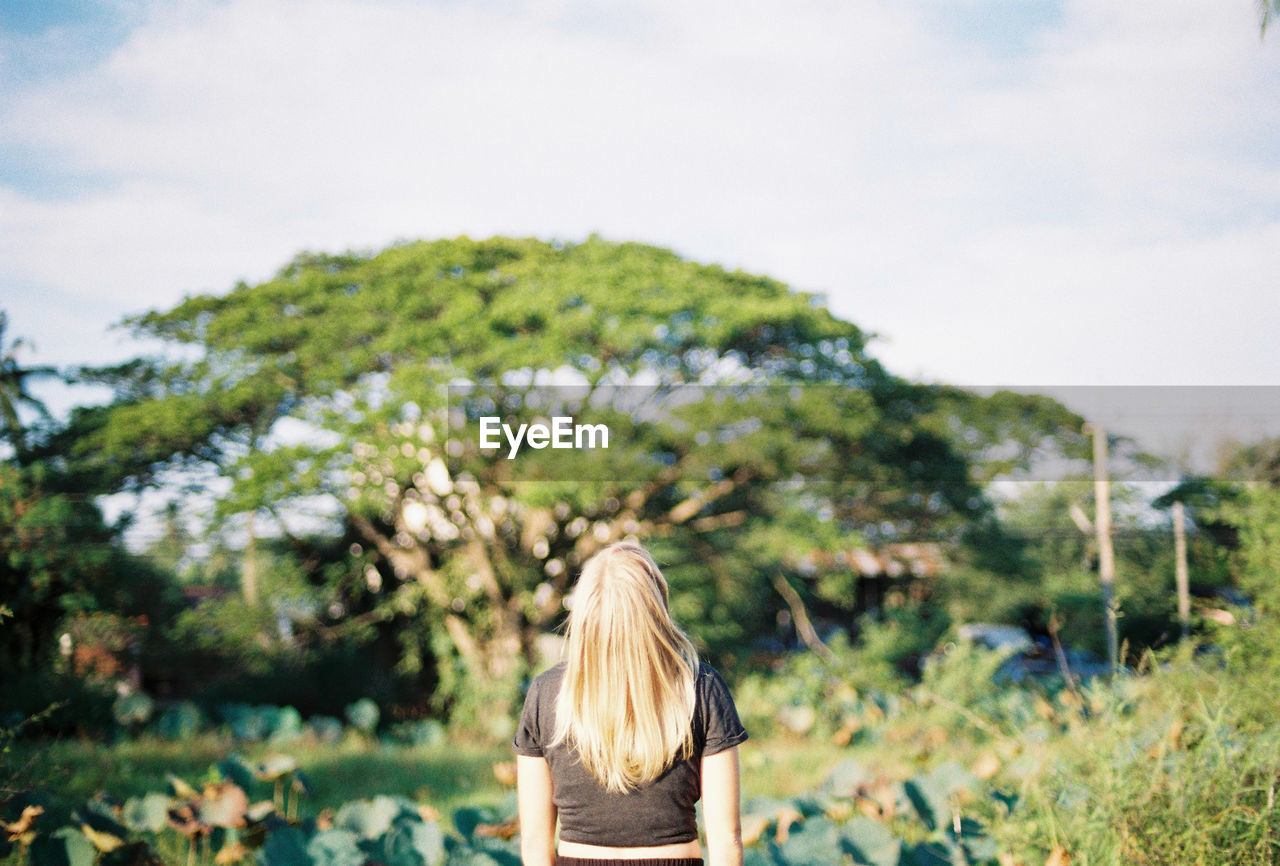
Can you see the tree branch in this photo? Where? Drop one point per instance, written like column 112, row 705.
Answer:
column 463, row 640
column 804, row 627
column 412, row 562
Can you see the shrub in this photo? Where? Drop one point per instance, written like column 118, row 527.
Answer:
column 363, row 715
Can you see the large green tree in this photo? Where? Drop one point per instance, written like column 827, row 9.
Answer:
column 323, row 391
column 53, row 551
column 62, row 569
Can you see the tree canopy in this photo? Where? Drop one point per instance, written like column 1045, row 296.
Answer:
column 325, row 391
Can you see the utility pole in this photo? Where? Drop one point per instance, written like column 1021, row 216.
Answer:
column 1106, row 554
column 1180, row 569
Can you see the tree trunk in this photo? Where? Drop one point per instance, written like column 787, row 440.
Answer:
column 249, row 568
column 492, row 665
column 1180, row 568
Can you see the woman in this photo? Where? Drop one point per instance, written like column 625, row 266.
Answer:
column 621, row 739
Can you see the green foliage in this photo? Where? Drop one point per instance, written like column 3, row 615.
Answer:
column 133, row 710
column 56, row 561
column 925, row 823
column 56, row 701
column 15, row 774
column 148, row 813
column 1252, row 645
column 1179, row 769
column 964, row 673
column 1257, row 516
column 806, row 695
column 1052, row 574
column 334, row 848
column 1173, row 765
column 180, row 721
column 80, row 605
column 389, row 830
column 231, row 631
column 1005, row 433
column 363, row 715
column 932, row 794
column 248, row 722
column 1240, row 511
column 326, row 729
column 235, row 769
column 369, row 819
column 870, row 843
column 66, row 846
column 452, row 555
column 428, row 733
column 895, row 642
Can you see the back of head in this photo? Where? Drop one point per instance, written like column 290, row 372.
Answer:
column 627, row 699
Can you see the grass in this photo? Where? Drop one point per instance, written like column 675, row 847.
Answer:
column 73, row 771
column 1186, row 777
column 444, row 778
column 782, row 767
column 1180, row 765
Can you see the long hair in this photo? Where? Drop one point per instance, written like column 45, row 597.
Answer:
column 626, row 702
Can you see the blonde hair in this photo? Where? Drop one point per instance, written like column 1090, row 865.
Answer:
column 626, row 702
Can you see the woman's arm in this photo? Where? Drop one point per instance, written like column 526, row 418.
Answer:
column 537, row 812
column 720, row 808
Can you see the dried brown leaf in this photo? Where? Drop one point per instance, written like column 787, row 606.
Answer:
column 21, row 827
column 502, row 831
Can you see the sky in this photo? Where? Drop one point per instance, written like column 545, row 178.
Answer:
column 1006, row 192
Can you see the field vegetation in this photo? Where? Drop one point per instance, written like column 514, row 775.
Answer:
column 1173, row 763
column 315, row 652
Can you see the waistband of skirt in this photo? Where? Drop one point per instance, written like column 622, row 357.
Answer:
column 630, row 861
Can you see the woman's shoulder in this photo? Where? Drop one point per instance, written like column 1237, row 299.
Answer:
column 715, row 712
column 709, row 686
column 552, row 675
column 556, row 670
column 708, row 675
column 540, row 697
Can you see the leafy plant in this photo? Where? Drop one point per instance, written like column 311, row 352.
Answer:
column 133, row 710
column 363, row 715
column 180, row 721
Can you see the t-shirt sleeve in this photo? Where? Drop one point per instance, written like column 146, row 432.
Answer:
column 528, row 738
column 723, row 728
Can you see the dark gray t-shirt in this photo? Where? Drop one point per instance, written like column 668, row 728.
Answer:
column 658, row 813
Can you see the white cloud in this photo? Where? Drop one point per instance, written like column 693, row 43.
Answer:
column 974, row 206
